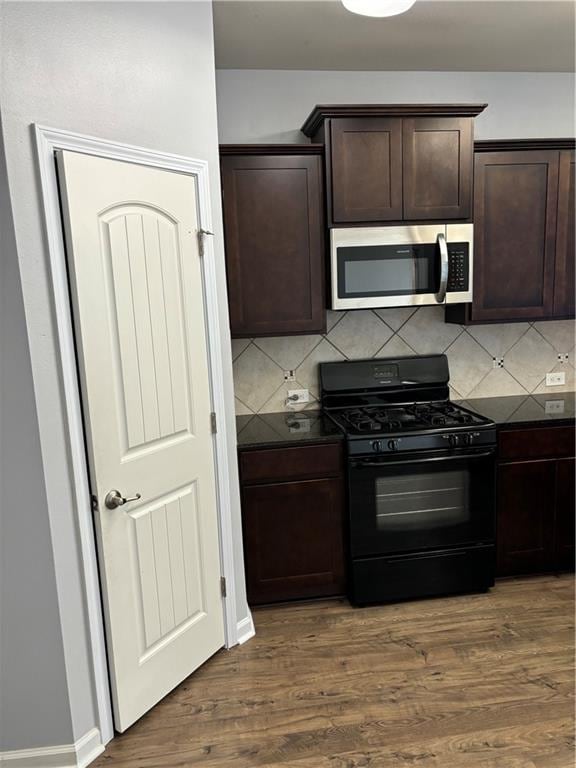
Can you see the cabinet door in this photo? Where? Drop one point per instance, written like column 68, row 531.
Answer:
column 525, row 539
column 366, row 160
column 515, row 197
column 437, row 168
column 565, row 504
column 293, row 540
column 274, row 236
column 565, row 250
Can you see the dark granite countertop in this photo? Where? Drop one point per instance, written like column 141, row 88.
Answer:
column 526, row 410
column 287, row 428
column 294, row 428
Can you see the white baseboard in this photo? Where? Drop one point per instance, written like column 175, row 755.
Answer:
column 245, row 629
column 77, row 755
column 88, row 748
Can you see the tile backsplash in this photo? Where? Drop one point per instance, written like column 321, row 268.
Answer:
column 529, row 351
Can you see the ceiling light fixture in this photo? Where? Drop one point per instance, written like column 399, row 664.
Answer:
column 378, row 8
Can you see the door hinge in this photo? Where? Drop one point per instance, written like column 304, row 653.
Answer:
column 201, row 235
column 213, row 424
column 223, row 586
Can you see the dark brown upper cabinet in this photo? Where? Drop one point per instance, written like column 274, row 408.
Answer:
column 515, row 216
column 437, row 167
column 565, row 249
column 274, row 238
column 398, row 162
column 367, row 169
column 523, row 232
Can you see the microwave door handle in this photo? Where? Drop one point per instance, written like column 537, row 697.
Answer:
column 441, row 295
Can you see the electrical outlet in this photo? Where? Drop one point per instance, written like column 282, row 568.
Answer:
column 497, row 362
column 298, row 396
column 555, row 379
column 289, row 376
column 554, row 406
column 298, row 423
column 563, row 357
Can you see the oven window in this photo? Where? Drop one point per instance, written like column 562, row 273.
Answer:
column 423, row 501
column 387, row 270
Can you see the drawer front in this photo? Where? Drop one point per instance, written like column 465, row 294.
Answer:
column 536, row 443
column 300, row 462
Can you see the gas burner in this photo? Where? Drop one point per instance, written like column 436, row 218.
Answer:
column 404, row 418
column 368, row 426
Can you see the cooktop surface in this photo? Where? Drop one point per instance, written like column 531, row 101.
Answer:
column 412, row 417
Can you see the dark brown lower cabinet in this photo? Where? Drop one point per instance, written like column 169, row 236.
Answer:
column 293, row 526
column 525, row 516
column 536, row 501
column 565, row 513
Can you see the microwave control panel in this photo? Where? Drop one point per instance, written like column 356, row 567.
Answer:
column 458, row 266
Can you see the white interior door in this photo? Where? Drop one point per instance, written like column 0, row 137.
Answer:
column 138, row 300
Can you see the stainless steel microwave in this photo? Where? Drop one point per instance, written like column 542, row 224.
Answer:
column 401, row 266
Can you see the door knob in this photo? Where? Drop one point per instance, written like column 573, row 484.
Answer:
column 115, row 499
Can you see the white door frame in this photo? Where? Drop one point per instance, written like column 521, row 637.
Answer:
column 48, row 140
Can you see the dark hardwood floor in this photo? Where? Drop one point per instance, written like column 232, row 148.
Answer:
column 482, row 681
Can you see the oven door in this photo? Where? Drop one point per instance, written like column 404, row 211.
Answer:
column 421, row 503
column 388, row 266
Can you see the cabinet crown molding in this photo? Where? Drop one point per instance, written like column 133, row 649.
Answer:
column 496, row 145
column 271, row 149
column 323, row 112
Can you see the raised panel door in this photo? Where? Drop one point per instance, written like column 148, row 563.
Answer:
column 138, row 299
column 526, row 499
column 437, row 168
column 564, row 278
column 565, row 513
column 366, row 163
column 515, row 197
column 274, row 244
column 293, row 539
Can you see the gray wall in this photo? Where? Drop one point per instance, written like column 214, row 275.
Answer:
column 141, row 73
column 268, row 106
column 31, row 652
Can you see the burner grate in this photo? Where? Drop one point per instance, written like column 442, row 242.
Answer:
column 395, row 418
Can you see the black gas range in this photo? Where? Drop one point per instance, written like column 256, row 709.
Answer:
column 421, row 479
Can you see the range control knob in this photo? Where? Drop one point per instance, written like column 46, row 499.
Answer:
column 376, row 445
column 393, row 445
column 453, row 440
column 466, row 438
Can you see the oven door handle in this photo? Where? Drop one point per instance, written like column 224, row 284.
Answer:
column 454, row 457
column 441, row 295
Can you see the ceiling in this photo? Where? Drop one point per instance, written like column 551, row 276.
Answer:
column 446, row 35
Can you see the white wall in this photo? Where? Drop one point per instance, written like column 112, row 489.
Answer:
column 271, row 105
column 141, row 73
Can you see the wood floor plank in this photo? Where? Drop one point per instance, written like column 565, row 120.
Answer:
column 481, row 681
